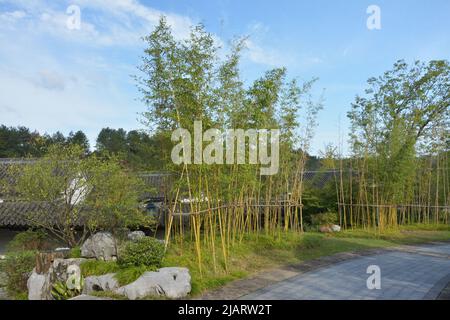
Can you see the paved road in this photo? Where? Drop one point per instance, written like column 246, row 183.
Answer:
column 418, row 272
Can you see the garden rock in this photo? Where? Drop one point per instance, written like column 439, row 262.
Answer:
column 105, row 282
column 101, row 246
column 135, row 235
column 39, row 286
column 170, row 282
column 58, row 270
column 88, row 297
column 335, row 228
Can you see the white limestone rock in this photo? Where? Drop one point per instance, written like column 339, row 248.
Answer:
column 105, row 282
column 171, row 282
column 101, row 246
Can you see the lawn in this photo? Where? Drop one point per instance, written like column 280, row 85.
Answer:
column 255, row 254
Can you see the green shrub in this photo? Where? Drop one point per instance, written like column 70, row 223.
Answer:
column 75, row 252
column 325, row 218
column 98, row 267
column 29, row 240
column 143, row 252
column 17, row 267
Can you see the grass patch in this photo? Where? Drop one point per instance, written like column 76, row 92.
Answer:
column 258, row 252
column 98, row 268
column 75, row 252
column 130, row 274
column 124, row 275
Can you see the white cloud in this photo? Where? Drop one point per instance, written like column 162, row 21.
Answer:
column 117, row 22
column 132, row 10
column 13, row 15
column 73, row 108
column 262, row 50
column 266, row 56
column 257, row 49
column 51, row 80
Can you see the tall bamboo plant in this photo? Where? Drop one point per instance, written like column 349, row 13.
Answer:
column 215, row 206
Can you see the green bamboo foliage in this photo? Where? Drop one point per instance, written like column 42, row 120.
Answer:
column 398, row 173
column 218, row 206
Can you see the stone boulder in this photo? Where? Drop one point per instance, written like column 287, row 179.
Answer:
column 172, row 282
column 101, row 246
column 40, row 284
column 88, row 297
column 59, row 268
column 335, row 228
column 135, row 235
column 105, row 282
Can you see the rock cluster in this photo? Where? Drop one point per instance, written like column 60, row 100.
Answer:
column 40, row 284
column 171, row 282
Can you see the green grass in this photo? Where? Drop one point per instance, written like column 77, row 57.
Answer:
column 130, row 274
column 124, row 275
column 258, row 253
column 98, row 268
column 75, row 252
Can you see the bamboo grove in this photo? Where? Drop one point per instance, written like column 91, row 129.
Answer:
column 399, row 170
column 215, row 206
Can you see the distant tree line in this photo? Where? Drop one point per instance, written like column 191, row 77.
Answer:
column 21, row 142
column 138, row 149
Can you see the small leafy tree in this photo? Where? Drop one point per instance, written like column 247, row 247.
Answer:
column 74, row 190
column 114, row 197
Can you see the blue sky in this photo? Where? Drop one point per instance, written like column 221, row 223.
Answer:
column 53, row 78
